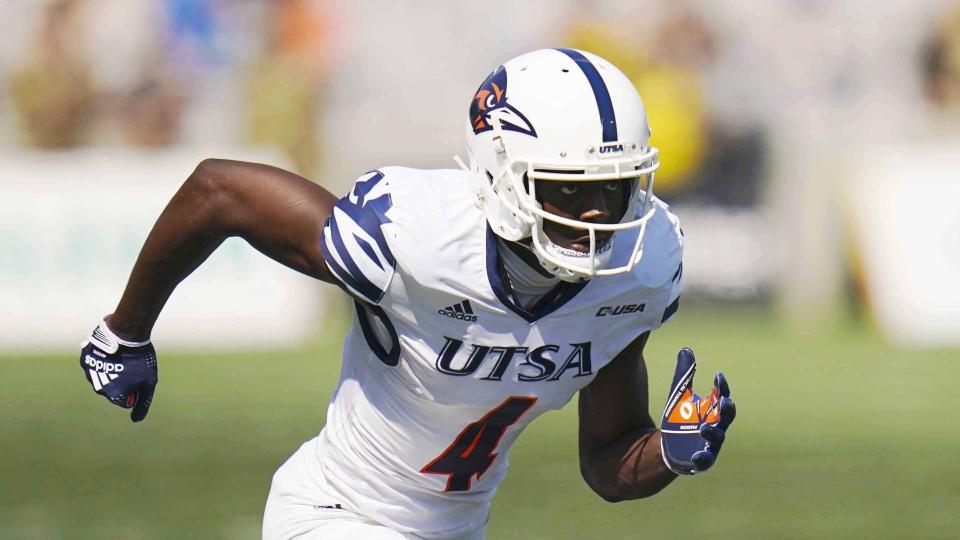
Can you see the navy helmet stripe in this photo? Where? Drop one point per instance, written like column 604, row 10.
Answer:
column 607, row 119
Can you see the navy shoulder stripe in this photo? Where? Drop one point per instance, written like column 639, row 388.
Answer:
column 671, row 309
column 354, row 246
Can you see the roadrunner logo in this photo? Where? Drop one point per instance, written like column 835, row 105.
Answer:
column 490, row 102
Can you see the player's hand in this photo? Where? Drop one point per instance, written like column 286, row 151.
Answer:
column 122, row 371
column 693, row 429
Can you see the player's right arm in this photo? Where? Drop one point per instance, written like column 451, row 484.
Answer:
column 279, row 213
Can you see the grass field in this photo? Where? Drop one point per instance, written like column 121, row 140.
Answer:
column 837, row 436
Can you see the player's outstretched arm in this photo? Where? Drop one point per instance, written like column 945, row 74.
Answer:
column 277, row 212
column 619, row 443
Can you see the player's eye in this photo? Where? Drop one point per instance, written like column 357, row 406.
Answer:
column 611, row 186
column 569, row 189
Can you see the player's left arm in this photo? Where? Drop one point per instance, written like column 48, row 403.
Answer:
column 622, row 454
column 619, row 443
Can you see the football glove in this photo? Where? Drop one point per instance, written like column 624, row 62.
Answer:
column 693, row 429
column 124, row 372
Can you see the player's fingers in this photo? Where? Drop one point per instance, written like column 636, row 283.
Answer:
column 728, row 411
column 713, row 435
column 686, row 366
column 720, row 383
column 704, row 459
column 120, row 400
column 116, row 394
column 144, row 398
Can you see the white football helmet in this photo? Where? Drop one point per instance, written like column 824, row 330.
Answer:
column 563, row 115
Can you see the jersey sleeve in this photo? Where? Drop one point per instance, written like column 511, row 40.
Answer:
column 354, row 244
column 667, row 240
column 676, row 289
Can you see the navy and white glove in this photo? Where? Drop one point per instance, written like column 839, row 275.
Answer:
column 124, row 372
column 693, row 429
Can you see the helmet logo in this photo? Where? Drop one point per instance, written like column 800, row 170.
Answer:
column 490, row 102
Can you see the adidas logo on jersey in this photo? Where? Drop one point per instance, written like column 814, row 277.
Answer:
column 461, row 311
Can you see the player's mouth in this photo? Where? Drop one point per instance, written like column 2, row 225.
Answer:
column 572, row 239
column 582, row 244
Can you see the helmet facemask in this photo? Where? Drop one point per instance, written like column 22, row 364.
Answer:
column 516, row 214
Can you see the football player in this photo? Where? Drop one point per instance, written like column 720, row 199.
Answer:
column 483, row 297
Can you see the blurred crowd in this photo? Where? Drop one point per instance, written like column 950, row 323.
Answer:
column 162, row 72
column 753, row 104
column 941, row 63
column 155, row 74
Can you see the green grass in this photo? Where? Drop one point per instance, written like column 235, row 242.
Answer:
column 838, row 436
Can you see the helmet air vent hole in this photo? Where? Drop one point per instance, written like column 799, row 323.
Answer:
column 565, row 70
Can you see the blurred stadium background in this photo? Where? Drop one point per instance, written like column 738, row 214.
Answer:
column 811, row 149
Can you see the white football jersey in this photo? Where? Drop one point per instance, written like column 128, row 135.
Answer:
column 442, row 370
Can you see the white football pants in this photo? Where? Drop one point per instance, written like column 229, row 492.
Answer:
column 299, row 509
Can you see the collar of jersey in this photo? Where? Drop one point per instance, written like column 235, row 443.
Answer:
column 560, row 295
